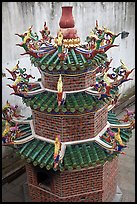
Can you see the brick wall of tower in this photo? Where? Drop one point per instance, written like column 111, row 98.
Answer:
column 79, row 182
column 31, row 174
column 110, row 182
column 70, row 128
column 100, row 119
column 39, row 195
column 88, row 185
column 70, row 83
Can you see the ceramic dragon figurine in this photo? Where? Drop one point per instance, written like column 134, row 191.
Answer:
column 10, row 133
column 9, row 111
column 21, row 80
column 110, row 36
column 26, row 37
column 98, row 31
column 45, row 33
column 92, row 41
column 14, row 71
column 122, row 72
column 129, row 117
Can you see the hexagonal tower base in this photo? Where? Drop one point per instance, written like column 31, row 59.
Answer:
column 94, row 184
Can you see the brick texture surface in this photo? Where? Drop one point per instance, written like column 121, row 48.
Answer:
column 110, row 176
column 31, row 174
column 70, row 128
column 70, row 83
column 96, row 184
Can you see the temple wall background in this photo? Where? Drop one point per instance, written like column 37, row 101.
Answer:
column 18, row 16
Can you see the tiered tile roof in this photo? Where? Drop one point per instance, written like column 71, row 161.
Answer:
column 76, row 156
column 75, row 102
column 75, row 62
column 25, row 129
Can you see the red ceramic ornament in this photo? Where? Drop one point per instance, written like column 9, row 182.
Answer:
column 66, row 20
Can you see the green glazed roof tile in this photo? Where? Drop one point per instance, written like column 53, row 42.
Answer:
column 25, row 131
column 23, row 147
column 76, row 156
column 37, row 151
column 87, row 156
column 72, row 156
column 31, row 148
column 47, row 158
column 75, row 102
column 75, row 62
column 42, row 154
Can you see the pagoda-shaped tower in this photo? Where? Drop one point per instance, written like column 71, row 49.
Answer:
column 72, row 140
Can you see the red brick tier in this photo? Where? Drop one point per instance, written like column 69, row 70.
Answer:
column 70, row 128
column 88, row 185
column 70, row 83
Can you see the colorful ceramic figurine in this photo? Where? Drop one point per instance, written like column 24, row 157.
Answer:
column 46, row 34
column 106, row 87
column 92, row 41
column 11, row 130
column 106, row 36
column 99, row 31
column 119, row 142
column 102, row 69
column 14, row 71
column 27, row 37
column 57, row 151
column 106, row 66
column 122, row 72
column 129, row 117
column 111, row 134
column 110, row 36
column 125, row 77
column 60, row 90
column 115, row 140
column 9, row 111
column 62, row 51
column 6, row 130
column 21, row 80
column 118, row 138
column 10, row 133
column 6, row 114
column 98, row 43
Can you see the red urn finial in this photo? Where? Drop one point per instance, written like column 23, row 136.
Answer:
column 66, row 20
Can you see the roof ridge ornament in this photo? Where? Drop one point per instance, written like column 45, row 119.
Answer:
column 66, row 20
